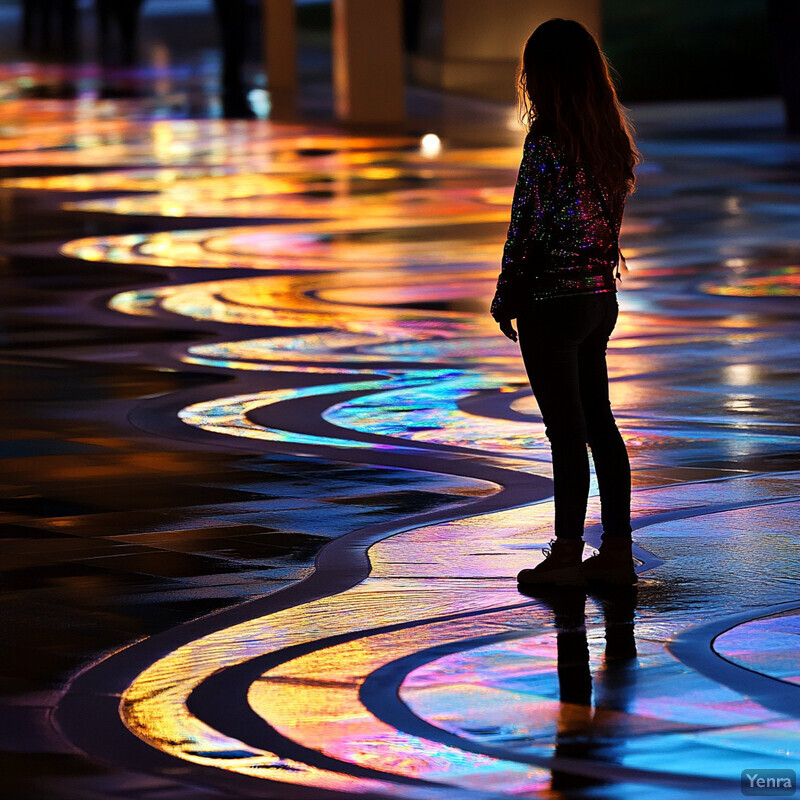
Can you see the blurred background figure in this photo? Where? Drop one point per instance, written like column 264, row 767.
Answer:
column 50, row 35
column 234, row 20
column 118, row 30
column 739, row 49
column 118, row 46
column 49, row 29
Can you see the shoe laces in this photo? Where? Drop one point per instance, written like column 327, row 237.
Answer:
column 548, row 551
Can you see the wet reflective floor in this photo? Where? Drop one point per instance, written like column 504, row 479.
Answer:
column 271, row 469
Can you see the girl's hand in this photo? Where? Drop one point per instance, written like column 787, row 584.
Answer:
column 508, row 329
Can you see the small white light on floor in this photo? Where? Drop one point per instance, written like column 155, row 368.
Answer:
column 735, row 263
column 733, row 205
column 741, row 374
column 259, row 102
column 430, row 145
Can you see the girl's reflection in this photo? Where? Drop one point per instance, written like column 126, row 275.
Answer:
column 591, row 734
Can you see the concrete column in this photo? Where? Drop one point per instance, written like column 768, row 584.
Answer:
column 280, row 56
column 368, row 64
column 473, row 46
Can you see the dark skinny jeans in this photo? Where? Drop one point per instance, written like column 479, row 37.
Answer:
column 563, row 343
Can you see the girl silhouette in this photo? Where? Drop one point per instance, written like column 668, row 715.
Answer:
column 558, row 280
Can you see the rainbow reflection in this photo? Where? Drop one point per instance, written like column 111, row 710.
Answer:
column 440, row 587
column 375, row 274
column 312, row 246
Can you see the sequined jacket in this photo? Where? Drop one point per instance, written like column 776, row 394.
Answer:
column 559, row 238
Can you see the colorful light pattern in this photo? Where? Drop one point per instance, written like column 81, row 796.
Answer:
column 767, row 645
column 263, row 199
column 783, row 283
column 385, row 292
column 504, row 694
column 323, row 245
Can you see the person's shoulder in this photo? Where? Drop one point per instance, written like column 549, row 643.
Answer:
column 540, row 144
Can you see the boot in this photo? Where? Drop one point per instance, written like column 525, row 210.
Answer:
column 561, row 566
column 612, row 564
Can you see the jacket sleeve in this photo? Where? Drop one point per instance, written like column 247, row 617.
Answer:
column 535, row 181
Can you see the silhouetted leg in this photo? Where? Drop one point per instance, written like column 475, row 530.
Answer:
column 609, row 454
column 549, row 341
column 554, row 380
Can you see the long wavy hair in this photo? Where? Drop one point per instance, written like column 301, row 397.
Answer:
column 564, row 86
